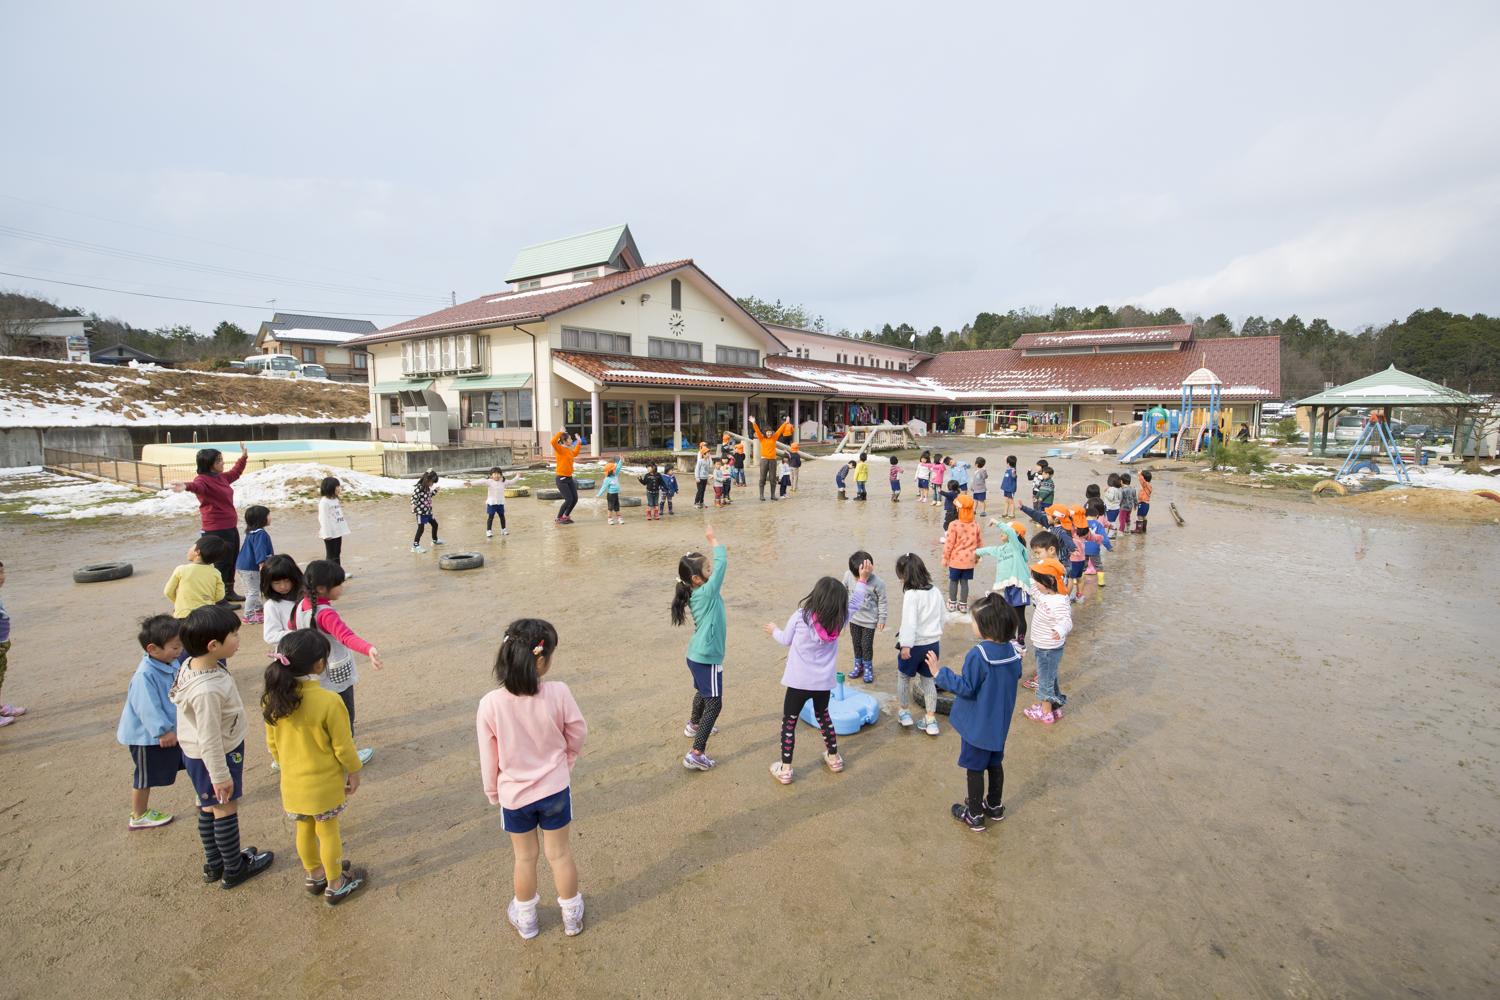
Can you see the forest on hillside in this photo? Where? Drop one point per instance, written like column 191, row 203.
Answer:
column 1450, row 348
column 173, row 343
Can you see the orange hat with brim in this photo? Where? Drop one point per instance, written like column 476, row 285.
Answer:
column 1080, row 516
column 965, row 506
column 1058, row 511
column 1054, row 569
column 1019, row 529
column 740, row 448
column 794, row 446
column 609, row 468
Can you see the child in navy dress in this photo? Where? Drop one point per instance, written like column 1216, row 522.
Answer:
column 1008, row 486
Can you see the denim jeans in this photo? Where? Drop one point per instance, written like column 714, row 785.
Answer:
column 1047, row 661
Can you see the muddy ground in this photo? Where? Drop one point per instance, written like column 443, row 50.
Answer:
column 1276, row 775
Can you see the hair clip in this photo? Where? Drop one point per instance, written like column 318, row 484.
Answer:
column 537, row 649
column 279, row 658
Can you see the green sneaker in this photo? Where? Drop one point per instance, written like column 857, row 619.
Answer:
column 149, row 819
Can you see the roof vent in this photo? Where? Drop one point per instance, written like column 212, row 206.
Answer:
column 696, row 371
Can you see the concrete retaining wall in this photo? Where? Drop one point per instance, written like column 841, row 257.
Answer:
column 23, row 445
column 414, row 463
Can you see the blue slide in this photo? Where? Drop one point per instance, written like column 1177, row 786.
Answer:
column 1140, row 447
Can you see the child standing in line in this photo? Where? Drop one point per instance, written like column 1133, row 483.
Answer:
column 920, row 632
column 530, row 735
column 896, row 471
column 8, row 713
column 1046, row 489
column 1012, row 572
column 861, row 476
column 1128, row 496
column 1049, row 632
column 979, row 485
column 958, row 472
column 280, row 588
column 611, row 488
column 961, row 540
column 193, row 584
column 794, row 461
column 331, row 524
column 1092, row 549
column 812, row 638
column 323, row 584
column 1144, row 505
column 869, row 619
column 211, row 727
column 784, row 476
column 1078, row 559
column 935, row 470
column 1034, row 477
column 950, row 510
column 1112, row 503
column 922, row 476
column 255, row 550
column 984, row 699
column 669, row 488
column 1008, row 486
column 655, row 487
column 422, row 496
column 703, row 471
column 729, row 475
column 841, row 477
column 698, row 586
column 720, row 478
column 148, row 724
column 494, row 500
column 308, row 735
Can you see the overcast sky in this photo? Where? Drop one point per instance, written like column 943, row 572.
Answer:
column 877, row 162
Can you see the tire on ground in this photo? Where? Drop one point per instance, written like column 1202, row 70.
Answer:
column 518, row 491
column 460, row 560
column 99, row 572
column 1329, row 484
column 586, row 484
column 630, row 501
column 548, row 494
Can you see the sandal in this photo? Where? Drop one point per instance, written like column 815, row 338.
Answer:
column 783, row 776
column 315, row 887
column 833, row 765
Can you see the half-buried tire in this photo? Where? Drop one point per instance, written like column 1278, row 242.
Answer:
column 460, row 560
column 517, row 491
column 586, row 484
column 630, row 501
column 100, row 572
column 548, row 494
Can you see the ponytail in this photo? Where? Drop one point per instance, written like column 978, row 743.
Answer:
column 687, row 567
column 296, row 655
column 527, row 642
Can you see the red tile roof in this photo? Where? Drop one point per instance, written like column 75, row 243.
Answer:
column 512, row 307
column 860, row 381
column 1250, row 368
column 632, row 369
column 1105, row 338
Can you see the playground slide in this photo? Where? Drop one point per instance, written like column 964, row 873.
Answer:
column 1140, row 448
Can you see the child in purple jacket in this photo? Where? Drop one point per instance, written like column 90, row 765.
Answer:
column 812, row 633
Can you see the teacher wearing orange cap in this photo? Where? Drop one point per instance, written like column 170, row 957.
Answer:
column 768, row 453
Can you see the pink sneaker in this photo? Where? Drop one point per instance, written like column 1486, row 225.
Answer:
column 1036, row 712
column 10, row 711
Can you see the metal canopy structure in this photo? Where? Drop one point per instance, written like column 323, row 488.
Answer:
column 1382, row 390
column 1200, row 379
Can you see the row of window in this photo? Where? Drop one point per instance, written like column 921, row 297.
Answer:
column 595, row 340
column 656, row 347
column 619, row 417
column 449, row 355
column 498, row 409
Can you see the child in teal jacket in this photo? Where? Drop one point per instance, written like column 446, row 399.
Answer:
column 698, row 591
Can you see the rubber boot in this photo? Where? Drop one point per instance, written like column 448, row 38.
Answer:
column 1140, row 526
column 1099, row 578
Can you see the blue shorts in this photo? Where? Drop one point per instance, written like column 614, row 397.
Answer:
column 155, row 766
column 1010, row 494
column 1076, row 568
column 917, row 664
column 1112, row 515
column 1141, row 510
column 490, row 509
column 960, row 574
column 921, row 484
column 979, row 497
column 552, row 813
column 895, row 486
column 973, row 758
column 204, row 785
column 708, row 678
column 426, row 519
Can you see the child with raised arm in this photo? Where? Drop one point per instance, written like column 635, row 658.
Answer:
column 148, row 723
column 494, row 500
column 254, row 551
column 699, row 582
column 812, row 638
column 211, row 728
column 308, row 736
column 530, row 734
column 984, row 699
column 611, row 487
column 1012, row 571
column 323, row 583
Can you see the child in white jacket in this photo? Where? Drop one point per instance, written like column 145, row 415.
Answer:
column 922, row 617
column 331, row 524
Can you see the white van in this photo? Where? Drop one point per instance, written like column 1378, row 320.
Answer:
column 274, row 365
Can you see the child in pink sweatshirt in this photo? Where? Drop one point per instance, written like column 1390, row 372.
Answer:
column 323, row 583
column 530, row 733
column 1077, row 559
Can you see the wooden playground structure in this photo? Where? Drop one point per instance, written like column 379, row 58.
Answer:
column 867, row 437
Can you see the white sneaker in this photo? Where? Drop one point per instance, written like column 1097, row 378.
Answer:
column 489, row 534
column 365, row 754
column 523, row 917
column 930, row 725
column 436, row 542
column 572, row 918
column 418, row 548
column 275, row 766
column 504, row 531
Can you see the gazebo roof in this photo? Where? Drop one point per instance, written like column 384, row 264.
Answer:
column 1391, row 388
column 1202, row 377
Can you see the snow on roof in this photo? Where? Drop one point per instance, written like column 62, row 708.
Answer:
column 310, row 336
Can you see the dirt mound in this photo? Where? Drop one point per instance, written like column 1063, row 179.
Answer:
column 1422, row 503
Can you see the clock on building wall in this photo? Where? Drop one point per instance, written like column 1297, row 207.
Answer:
column 676, row 324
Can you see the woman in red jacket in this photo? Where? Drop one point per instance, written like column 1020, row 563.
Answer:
column 215, row 491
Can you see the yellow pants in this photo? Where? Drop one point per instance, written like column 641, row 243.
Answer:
column 319, row 843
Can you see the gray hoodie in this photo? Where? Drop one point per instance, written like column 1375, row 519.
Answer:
column 705, row 467
column 873, row 611
column 211, row 718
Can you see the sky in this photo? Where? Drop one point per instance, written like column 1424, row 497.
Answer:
column 878, row 163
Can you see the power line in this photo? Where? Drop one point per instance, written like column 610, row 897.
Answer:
column 194, row 239
column 176, row 298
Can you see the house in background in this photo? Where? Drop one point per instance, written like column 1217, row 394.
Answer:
column 814, row 346
column 64, row 338
column 318, row 340
column 123, row 354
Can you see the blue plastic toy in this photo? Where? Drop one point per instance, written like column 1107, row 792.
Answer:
column 848, row 709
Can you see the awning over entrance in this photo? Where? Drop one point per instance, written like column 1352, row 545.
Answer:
column 479, row 383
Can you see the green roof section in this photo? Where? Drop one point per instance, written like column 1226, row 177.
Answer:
column 475, row 383
column 613, row 246
column 403, row 385
column 1390, row 388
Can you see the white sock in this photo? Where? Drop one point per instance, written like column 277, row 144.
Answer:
column 571, row 905
column 531, row 906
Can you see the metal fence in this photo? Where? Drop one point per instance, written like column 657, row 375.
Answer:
column 154, row 476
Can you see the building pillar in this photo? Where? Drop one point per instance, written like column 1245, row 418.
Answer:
column 598, row 421
column 796, row 419
column 819, row 435
column 676, row 423
column 745, row 416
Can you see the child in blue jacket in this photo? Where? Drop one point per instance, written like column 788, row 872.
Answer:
column 611, row 486
column 1008, row 486
column 670, row 479
column 257, row 548
column 148, row 725
column 1091, row 550
column 984, row 699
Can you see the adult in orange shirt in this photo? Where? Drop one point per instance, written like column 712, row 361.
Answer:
column 566, row 451
column 768, row 453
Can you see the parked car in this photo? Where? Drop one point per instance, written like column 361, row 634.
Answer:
column 1418, row 432
column 237, row 364
column 1348, row 427
column 315, row 371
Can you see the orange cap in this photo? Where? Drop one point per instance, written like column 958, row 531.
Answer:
column 1054, row 569
column 794, row 446
column 1058, row 511
column 740, row 448
column 1080, row 516
column 1019, row 529
column 609, row 468
column 965, row 507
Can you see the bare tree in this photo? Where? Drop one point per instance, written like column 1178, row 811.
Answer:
column 20, row 335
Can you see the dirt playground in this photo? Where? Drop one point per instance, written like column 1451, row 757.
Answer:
column 1276, row 775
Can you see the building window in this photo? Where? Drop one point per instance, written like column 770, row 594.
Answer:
column 592, row 272
column 682, row 349
column 522, row 286
column 902, row 366
column 595, row 340
column 395, row 410
column 309, row 355
column 454, row 355
column 498, row 409
column 361, row 362
column 736, row 356
column 617, row 422
column 676, row 295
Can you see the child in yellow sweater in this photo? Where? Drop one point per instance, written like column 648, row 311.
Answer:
column 309, row 736
column 197, row 582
